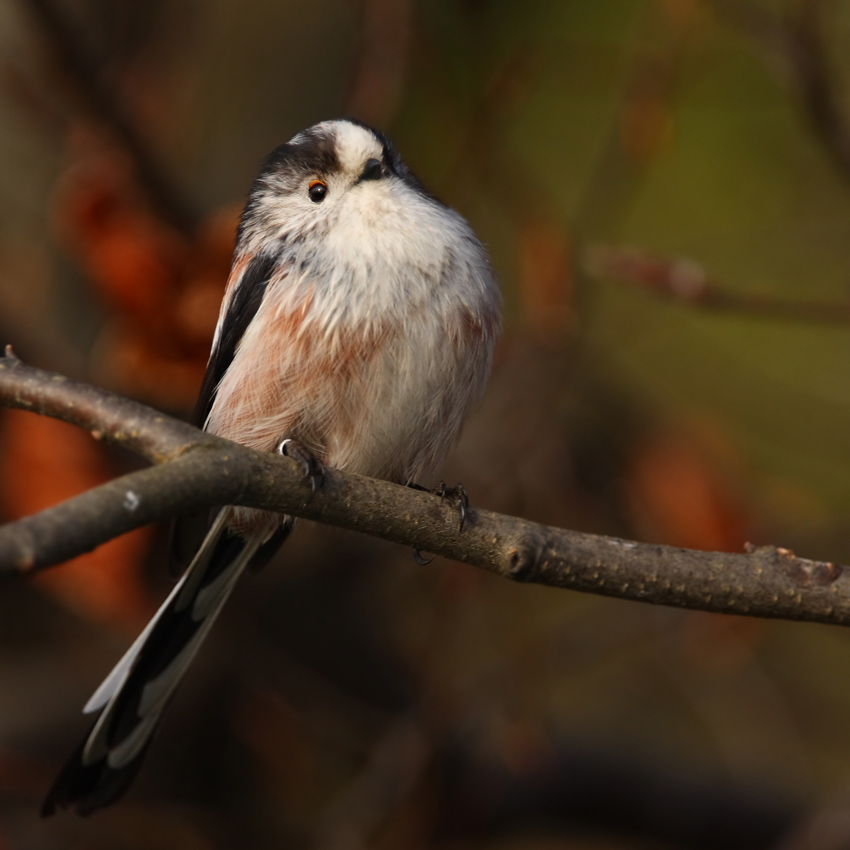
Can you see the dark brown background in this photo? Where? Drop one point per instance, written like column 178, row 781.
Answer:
column 349, row 698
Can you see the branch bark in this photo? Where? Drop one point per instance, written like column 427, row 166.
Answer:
column 194, row 469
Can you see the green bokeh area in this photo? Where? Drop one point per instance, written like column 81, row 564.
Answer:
column 742, row 186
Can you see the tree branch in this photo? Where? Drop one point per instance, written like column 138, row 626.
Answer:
column 195, row 469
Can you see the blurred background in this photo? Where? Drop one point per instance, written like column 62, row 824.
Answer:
column 664, row 186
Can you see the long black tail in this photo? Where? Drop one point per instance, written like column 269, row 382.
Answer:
column 136, row 692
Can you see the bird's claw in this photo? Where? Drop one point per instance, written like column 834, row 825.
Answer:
column 422, row 561
column 442, row 490
column 314, row 472
column 459, row 494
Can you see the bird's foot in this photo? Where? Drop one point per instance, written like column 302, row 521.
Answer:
column 458, row 493
column 420, row 558
column 460, row 497
column 314, row 472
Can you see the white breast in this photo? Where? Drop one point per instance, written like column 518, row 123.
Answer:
column 373, row 345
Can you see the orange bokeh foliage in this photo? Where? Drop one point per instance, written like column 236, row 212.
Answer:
column 545, row 260
column 680, row 491
column 44, row 462
column 160, row 290
column 677, row 496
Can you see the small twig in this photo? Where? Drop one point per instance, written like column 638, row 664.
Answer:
column 764, row 582
column 818, row 83
column 797, row 47
column 98, row 97
column 687, row 282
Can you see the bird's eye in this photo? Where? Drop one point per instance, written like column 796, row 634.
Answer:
column 317, row 190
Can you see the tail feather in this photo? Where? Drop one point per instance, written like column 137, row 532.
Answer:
column 116, row 678
column 136, row 692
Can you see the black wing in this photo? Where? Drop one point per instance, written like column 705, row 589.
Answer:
column 243, row 307
column 188, row 532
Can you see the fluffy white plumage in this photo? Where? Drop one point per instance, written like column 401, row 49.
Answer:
column 359, row 321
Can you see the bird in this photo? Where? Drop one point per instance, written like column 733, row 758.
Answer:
column 356, row 332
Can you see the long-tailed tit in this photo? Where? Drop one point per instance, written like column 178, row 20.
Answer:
column 357, row 329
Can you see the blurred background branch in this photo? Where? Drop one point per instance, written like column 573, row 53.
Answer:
column 687, row 282
column 794, row 43
column 75, row 62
